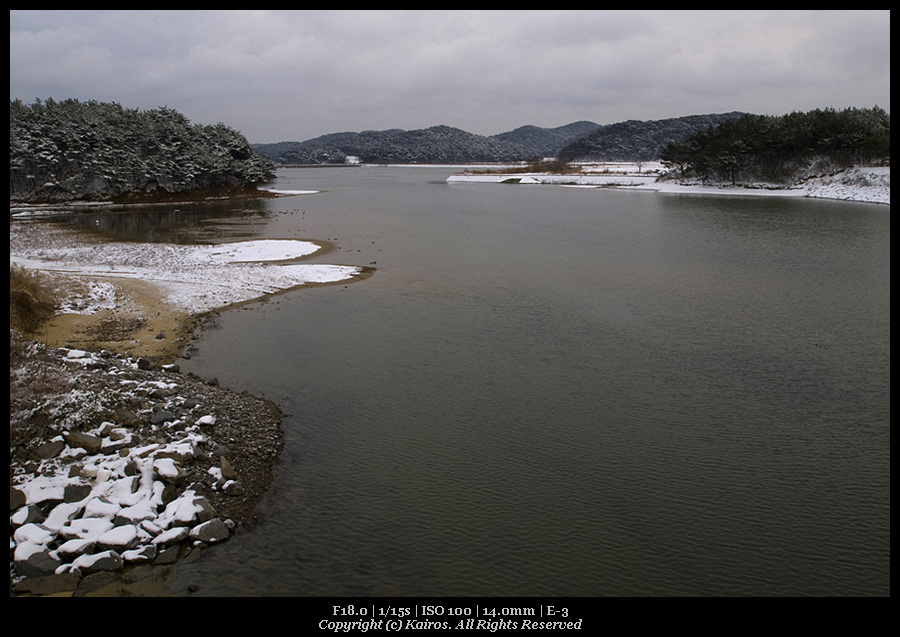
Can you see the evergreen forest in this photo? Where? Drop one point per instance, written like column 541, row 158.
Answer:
column 87, row 150
column 761, row 148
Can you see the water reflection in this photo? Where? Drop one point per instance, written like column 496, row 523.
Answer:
column 184, row 223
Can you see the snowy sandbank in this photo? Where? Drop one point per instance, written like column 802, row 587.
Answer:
column 194, row 278
column 865, row 184
column 288, row 193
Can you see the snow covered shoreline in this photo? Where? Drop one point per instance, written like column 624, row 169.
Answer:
column 194, row 278
column 118, row 463
column 863, row 184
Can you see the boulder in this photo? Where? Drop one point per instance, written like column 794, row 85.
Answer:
column 85, row 528
column 189, row 509
column 33, row 534
column 206, row 421
column 168, row 471
column 205, row 510
column 16, row 499
column 162, row 416
column 29, row 514
column 50, row 449
column 233, row 488
column 137, row 513
column 142, row 554
column 120, row 538
column 228, row 471
column 88, row 442
column 62, row 515
column 210, row 532
column 76, row 492
column 168, row 555
column 35, row 560
column 118, row 440
column 49, row 584
column 101, row 508
column 172, row 536
column 103, row 561
column 71, row 549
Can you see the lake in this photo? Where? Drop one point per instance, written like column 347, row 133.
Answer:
column 558, row 391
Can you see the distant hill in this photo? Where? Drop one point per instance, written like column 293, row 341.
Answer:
column 435, row 145
column 438, row 144
column 625, row 141
column 547, row 142
column 635, row 140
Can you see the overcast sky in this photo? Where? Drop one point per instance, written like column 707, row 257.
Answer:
column 294, row 75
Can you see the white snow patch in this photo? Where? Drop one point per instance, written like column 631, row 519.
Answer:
column 166, row 468
column 120, row 536
column 194, row 278
column 289, row 192
column 259, row 251
column 33, row 533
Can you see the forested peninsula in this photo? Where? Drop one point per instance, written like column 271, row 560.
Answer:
column 88, row 150
column 782, row 149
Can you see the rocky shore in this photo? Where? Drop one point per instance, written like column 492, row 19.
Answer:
column 117, row 464
column 120, row 465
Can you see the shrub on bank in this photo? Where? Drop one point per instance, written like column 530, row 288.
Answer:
column 32, row 299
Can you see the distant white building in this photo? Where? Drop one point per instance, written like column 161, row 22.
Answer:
column 351, row 159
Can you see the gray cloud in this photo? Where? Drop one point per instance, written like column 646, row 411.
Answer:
column 292, row 75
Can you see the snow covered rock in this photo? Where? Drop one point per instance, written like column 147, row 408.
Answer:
column 119, row 538
column 35, row 560
column 33, row 555
column 94, row 563
column 168, row 471
column 210, row 532
column 87, row 508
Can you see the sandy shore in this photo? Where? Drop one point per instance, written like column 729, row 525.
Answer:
column 141, row 325
column 145, row 299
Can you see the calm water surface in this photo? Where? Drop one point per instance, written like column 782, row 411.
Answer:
column 563, row 391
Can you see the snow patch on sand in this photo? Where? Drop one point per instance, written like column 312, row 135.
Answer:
column 194, row 278
column 258, row 251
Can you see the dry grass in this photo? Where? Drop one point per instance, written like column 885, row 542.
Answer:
column 32, row 299
column 555, row 166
